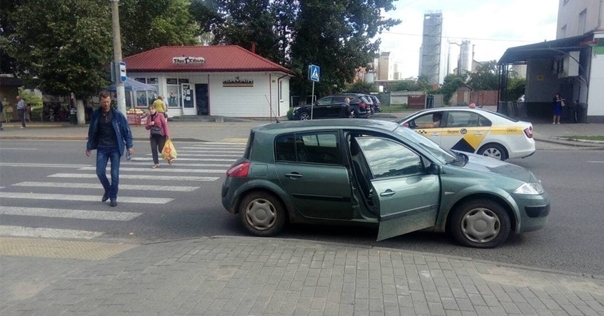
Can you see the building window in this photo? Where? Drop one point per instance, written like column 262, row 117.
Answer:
column 563, row 32
column 146, row 98
column 582, row 21
column 174, row 88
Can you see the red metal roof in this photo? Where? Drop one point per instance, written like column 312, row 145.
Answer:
column 224, row 58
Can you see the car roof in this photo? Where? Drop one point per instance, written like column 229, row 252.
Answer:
column 326, row 124
column 490, row 114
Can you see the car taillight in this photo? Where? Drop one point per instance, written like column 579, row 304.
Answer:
column 362, row 105
column 239, row 171
column 528, row 132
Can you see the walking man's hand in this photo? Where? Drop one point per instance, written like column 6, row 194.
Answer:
column 88, row 153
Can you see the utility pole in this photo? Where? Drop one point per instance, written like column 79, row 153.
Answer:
column 117, row 55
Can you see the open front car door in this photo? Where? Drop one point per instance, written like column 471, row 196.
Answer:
column 406, row 195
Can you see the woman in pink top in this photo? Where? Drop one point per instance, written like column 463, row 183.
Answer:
column 159, row 132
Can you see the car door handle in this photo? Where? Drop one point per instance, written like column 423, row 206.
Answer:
column 435, row 134
column 477, row 133
column 293, row 175
column 388, row 193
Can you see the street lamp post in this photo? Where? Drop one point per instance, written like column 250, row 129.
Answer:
column 117, row 55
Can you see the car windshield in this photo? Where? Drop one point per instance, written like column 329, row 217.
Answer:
column 443, row 155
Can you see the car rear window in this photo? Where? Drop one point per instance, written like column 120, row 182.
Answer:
column 248, row 146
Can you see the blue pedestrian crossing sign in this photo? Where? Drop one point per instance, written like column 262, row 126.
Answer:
column 314, row 72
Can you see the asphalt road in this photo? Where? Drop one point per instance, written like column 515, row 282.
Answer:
column 50, row 189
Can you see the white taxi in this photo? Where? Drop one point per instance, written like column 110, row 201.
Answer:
column 477, row 131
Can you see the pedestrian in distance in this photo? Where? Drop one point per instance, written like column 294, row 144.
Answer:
column 558, row 104
column 110, row 134
column 28, row 113
column 21, row 110
column 574, row 111
column 158, row 134
column 345, row 108
column 160, row 106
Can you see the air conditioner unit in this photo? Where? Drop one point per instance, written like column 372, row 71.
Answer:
column 570, row 64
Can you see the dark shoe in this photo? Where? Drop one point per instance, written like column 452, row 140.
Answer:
column 113, row 203
column 105, row 197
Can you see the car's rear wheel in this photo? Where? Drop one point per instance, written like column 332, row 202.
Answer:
column 262, row 214
column 494, row 151
column 304, row 116
column 480, row 223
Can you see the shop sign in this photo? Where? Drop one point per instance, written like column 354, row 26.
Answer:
column 238, row 82
column 188, row 60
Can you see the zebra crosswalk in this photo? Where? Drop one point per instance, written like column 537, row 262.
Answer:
column 74, row 193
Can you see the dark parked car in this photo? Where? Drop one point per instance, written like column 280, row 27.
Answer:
column 378, row 173
column 330, row 107
column 376, row 104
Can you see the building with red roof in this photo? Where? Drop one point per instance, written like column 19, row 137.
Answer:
column 223, row 80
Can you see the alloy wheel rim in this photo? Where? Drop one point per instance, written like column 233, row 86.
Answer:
column 493, row 153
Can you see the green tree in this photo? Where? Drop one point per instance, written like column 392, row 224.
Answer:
column 485, row 77
column 338, row 35
column 450, row 84
column 361, row 87
column 405, row 85
column 515, row 88
column 148, row 24
column 62, row 45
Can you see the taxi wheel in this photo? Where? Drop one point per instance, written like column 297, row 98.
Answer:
column 262, row 214
column 480, row 223
column 494, row 151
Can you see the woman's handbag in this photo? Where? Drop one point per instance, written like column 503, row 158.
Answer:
column 155, row 131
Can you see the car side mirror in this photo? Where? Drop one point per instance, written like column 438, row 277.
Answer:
column 434, row 169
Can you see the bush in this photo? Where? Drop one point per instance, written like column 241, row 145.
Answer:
column 290, row 114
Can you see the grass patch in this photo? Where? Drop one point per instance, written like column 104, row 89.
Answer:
column 599, row 138
column 394, row 108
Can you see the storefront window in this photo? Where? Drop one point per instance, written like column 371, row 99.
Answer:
column 173, row 97
column 145, row 98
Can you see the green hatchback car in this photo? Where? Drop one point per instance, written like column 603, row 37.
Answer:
column 377, row 173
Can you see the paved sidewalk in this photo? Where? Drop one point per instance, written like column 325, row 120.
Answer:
column 271, row 276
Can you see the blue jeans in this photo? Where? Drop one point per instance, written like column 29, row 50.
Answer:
column 104, row 154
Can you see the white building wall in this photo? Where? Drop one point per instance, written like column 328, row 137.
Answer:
column 260, row 100
column 595, row 98
column 568, row 15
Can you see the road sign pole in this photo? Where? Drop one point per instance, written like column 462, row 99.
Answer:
column 312, row 99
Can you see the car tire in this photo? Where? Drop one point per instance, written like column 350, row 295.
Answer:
column 304, row 116
column 262, row 214
column 480, row 223
column 494, row 151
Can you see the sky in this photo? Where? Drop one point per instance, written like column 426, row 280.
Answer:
column 492, row 26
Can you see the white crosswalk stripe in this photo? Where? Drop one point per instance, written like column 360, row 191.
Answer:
column 97, row 186
column 77, row 214
column 196, row 163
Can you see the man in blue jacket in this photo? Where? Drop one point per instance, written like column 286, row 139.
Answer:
column 109, row 133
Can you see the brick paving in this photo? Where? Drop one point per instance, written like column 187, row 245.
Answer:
column 271, row 276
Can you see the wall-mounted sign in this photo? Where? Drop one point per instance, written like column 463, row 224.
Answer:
column 188, row 60
column 238, row 82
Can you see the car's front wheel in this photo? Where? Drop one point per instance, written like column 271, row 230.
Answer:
column 480, row 223
column 262, row 214
column 304, row 116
